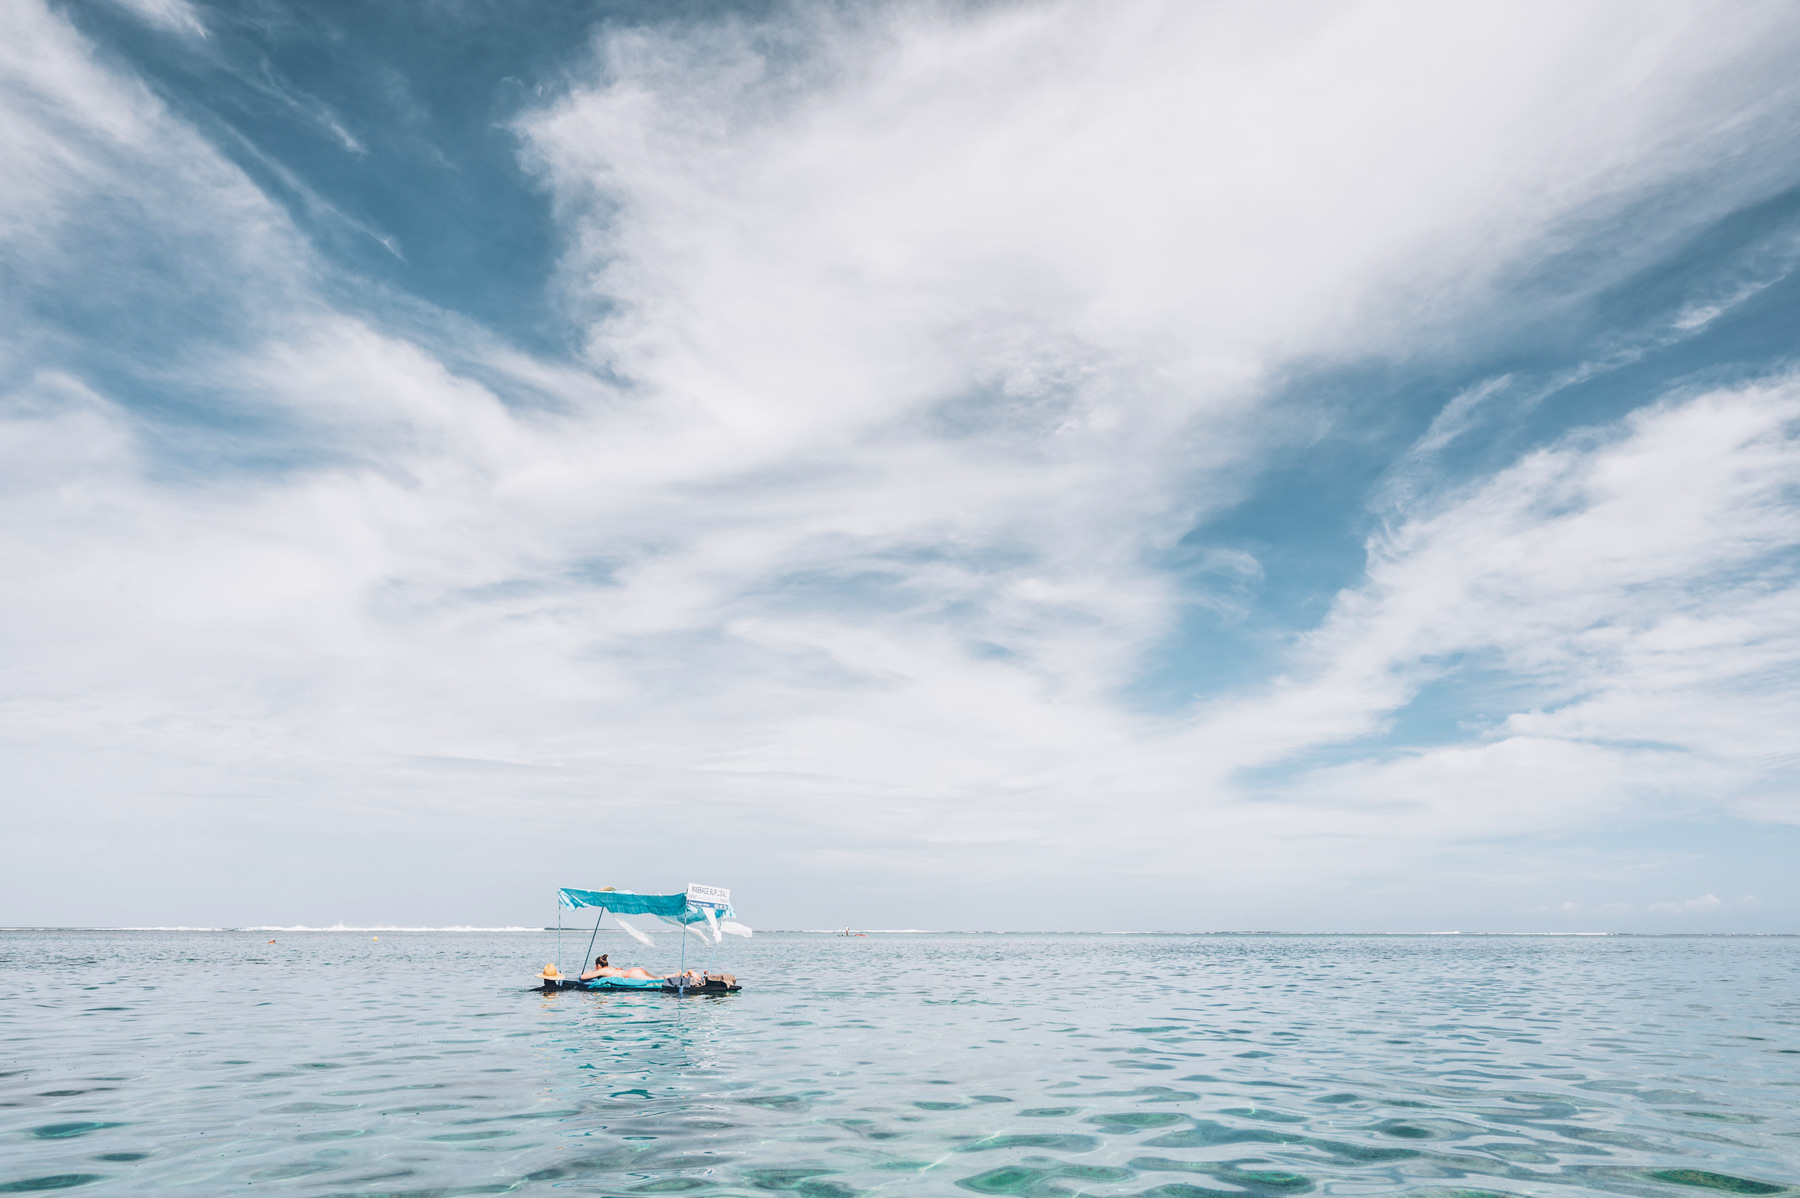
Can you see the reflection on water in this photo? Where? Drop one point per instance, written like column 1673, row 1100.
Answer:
column 1167, row 1066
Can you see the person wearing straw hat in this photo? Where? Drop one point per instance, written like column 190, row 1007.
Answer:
column 551, row 977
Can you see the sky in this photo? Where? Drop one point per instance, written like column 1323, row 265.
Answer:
column 1037, row 465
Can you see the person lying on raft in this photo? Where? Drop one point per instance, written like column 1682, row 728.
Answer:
column 603, row 970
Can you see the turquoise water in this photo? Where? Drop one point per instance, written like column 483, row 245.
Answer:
column 1174, row 1066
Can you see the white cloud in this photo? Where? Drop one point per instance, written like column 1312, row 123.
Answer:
column 1627, row 599
column 931, row 344
column 1706, row 904
column 1638, row 586
column 177, row 16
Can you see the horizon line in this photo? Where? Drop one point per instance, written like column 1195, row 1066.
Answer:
column 466, row 928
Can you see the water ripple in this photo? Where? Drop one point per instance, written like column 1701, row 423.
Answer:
column 420, row 1064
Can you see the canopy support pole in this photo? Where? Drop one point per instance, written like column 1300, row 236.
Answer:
column 584, row 960
column 559, row 934
column 681, row 981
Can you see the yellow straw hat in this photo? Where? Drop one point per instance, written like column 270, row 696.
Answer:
column 550, row 974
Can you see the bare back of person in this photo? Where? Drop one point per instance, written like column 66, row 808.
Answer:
column 602, row 969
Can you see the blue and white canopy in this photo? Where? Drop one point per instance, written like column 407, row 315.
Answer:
column 624, row 902
column 700, row 905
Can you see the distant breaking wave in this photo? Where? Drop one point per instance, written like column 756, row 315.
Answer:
column 339, row 927
column 873, row 931
column 271, row 928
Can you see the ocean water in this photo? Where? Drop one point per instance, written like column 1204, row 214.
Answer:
column 333, row 1063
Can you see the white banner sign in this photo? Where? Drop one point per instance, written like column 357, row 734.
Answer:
column 708, row 896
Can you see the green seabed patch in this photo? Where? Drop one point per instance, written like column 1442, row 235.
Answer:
column 1362, row 1153
column 1725, row 1182
column 1128, row 1121
column 1055, row 1143
column 1148, row 1094
column 68, row 1131
column 1258, row 1180
column 1698, row 1179
column 1017, row 1179
column 1008, row 1179
column 672, row 1185
column 771, row 1102
column 783, row 1179
column 1264, row 1114
column 55, row 1181
column 1208, row 1133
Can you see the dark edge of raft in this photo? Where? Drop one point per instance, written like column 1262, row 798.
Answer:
column 709, row 988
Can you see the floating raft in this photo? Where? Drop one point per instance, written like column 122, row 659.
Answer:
column 716, row 984
column 701, row 910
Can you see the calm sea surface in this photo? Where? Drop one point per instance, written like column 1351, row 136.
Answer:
column 1176, row 1066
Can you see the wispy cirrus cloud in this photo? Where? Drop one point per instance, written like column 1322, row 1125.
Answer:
column 1597, row 642
column 176, row 16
